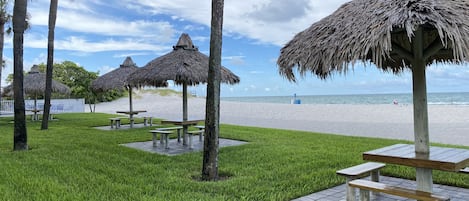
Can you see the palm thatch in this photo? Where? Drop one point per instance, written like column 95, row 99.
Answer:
column 34, row 84
column 184, row 65
column 379, row 31
column 392, row 34
column 117, row 79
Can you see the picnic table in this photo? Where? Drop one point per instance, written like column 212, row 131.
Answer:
column 440, row 158
column 131, row 115
column 185, row 125
column 35, row 115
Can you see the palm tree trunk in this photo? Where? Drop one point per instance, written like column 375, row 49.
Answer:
column 212, row 111
column 50, row 63
column 20, row 136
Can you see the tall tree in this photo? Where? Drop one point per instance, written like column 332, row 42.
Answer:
column 20, row 136
column 212, row 110
column 50, row 63
column 5, row 17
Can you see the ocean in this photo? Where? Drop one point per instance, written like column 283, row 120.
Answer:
column 459, row 98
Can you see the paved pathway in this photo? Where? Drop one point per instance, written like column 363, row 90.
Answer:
column 176, row 148
column 338, row 193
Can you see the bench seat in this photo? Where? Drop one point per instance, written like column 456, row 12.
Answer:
column 200, row 127
column 115, row 122
column 366, row 186
column 164, row 134
column 360, row 171
column 196, row 132
column 177, row 128
column 147, row 120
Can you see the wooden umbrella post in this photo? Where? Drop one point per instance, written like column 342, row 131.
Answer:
column 184, row 112
column 35, row 118
column 131, row 114
column 421, row 134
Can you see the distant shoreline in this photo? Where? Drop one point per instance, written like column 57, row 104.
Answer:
column 453, row 98
column 448, row 124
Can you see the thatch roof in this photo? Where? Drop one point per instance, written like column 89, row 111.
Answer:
column 34, row 84
column 376, row 31
column 116, row 79
column 185, row 64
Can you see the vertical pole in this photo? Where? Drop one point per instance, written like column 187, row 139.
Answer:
column 35, row 118
column 131, row 114
column 35, row 101
column 184, row 113
column 421, row 134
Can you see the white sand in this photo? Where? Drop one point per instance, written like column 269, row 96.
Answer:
column 448, row 124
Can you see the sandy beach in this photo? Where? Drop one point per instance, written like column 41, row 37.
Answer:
column 448, row 124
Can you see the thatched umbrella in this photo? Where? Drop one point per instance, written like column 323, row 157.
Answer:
column 185, row 65
column 34, row 85
column 392, row 34
column 117, row 79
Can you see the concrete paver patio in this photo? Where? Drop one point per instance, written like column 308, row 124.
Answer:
column 338, row 193
column 176, row 148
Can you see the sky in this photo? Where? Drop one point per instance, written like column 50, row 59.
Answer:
column 99, row 35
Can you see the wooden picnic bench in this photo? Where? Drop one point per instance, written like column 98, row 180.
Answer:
column 185, row 125
column 192, row 133
column 131, row 115
column 177, row 128
column 164, row 134
column 438, row 158
column 201, row 127
column 360, row 171
column 35, row 114
column 366, row 186
column 147, row 120
column 115, row 122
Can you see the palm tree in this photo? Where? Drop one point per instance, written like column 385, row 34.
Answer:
column 5, row 17
column 20, row 136
column 50, row 63
column 212, row 111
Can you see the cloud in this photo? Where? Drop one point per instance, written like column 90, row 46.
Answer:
column 105, row 69
column 256, row 72
column 81, row 44
column 83, row 20
column 130, row 54
column 448, row 71
column 235, row 60
column 280, row 10
column 255, row 19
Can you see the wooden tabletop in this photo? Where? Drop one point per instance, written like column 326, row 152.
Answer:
column 182, row 122
column 33, row 110
column 441, row 158
column 133, row 112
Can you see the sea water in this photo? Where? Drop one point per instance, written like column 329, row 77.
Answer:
column 460, row 98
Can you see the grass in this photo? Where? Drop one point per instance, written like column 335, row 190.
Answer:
column 73, row 161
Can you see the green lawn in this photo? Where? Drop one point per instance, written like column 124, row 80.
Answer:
column 73, row 161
